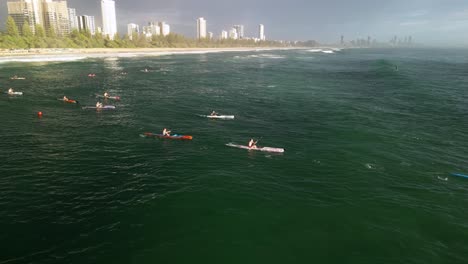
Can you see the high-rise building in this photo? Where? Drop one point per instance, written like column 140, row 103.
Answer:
column 342, row 40
column 240, row 31
column 87, row 23
column 26, row 11
column 73, row 18
column 165, row 28
column 109, row 20
column 224, row 34
column 132, row 29
column 233, row 33
column 153, row 28
column 56, row 17
column 261, row 32
column 201, row 28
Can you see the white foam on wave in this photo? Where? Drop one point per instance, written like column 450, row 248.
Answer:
column 326, row 51
column 260, row 56
column 41, row 58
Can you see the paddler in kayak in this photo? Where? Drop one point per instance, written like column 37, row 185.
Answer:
column 11, row 91
column 213, row 113
column 106, row 95
column 166, row 132
column 65, row 99
column 252, row 144
column 98, row 105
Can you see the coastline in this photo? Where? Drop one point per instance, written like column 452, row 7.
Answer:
column 17, row 55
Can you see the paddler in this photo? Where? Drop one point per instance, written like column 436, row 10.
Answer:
column 11, row 91
column 98, row 105
column 252, row 144
column 106, row 95
column 166, row 132
column 213, row 113
column 65, row 98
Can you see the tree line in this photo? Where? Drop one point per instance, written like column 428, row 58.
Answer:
column 12, row 39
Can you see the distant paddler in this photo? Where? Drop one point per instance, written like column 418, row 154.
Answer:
column 214, row 113
column 166, row 132
column 11, row 91
column 65, row 99
column 98, row 105
column 106, row 95
column 252, row 144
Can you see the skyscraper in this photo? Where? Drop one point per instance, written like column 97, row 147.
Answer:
column 261, row 32
column 132, row 29
column 153, row 29
column 201, row 28
column 240, row 31
column 73, row 18
column 165, row 28
column 87, row 23
column 109, row 21
column 233, row 33
column 26, row 11
column 224, row 34
column 56, row 17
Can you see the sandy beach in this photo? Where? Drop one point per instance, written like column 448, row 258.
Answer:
column 104, row 52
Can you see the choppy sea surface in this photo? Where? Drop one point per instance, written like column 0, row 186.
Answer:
column 370, row 137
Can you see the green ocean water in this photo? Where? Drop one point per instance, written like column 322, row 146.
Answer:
column 370, row 137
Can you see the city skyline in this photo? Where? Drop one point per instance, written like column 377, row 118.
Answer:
column 433, row 21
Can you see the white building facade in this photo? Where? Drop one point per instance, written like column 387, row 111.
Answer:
column 132, row 29
column 87, row 23
column 73, row 18
column 261, row 32
column 109, row 20
column 165, row 28
column 201, row 28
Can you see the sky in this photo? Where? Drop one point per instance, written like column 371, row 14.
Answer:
column 436, row 22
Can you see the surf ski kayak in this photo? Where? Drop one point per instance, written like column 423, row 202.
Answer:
column 263, row 149
column 15, row 93
column 70, row 101
column 108, row 97
column 174, row 136
column 459, row 175
column 105, row 107
column 17, row 78
column 219, row 116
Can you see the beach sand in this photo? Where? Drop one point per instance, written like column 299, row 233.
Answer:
column 113, row 51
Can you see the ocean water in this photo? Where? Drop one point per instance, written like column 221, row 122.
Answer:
column 370, row 137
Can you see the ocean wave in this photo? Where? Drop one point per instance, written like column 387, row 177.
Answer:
column 41, row 58
column 326, row 51
column 260, row 56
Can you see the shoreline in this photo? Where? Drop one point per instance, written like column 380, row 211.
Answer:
column 104, row 52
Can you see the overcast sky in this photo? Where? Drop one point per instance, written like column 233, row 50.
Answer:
column 429, row 21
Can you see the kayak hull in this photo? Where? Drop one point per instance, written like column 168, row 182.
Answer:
column 105, row 107
column 226, row 117
column 262, row 149
column 69, row 101
column 459, row 175
column 15, row 93
column 177, row 137
column 117, row 98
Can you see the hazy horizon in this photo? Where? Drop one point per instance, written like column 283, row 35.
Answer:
column 431, row 22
